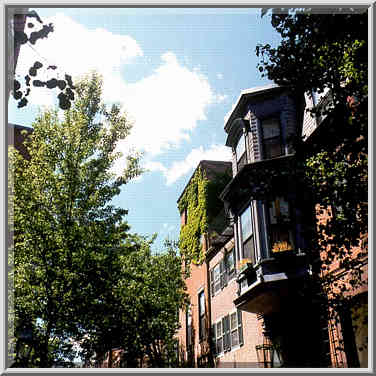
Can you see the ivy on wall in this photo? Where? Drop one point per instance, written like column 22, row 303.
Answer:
column 194, row 201
column 202, row 204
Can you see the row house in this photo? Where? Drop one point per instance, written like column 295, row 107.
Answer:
column 254, row 285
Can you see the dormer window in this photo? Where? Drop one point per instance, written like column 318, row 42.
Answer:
column 241, row 157
column 272, row 141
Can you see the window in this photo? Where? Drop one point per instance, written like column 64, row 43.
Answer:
column 219, row 338
column 241, row 157
column 201, row 314
column 230, row 263
column 247, row 239
column 228, row 332
column 222, row 272
column 234, row 329
column 281, row 237
column 271, row 138
column 215, row 281
column 189, row 328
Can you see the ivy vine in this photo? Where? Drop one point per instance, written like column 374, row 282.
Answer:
column 194, row 201
column 202, row 204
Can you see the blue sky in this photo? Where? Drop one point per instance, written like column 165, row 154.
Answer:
column 177, row 73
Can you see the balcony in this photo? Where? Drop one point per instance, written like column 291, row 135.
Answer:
column 263, row 287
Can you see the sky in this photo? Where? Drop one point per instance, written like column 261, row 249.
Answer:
column 176, row 72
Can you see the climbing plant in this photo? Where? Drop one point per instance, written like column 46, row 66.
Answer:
column 194, row 202
column 201, row 203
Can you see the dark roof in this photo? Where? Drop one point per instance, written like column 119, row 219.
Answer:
column 211, row 169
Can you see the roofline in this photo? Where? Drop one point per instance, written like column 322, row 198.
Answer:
column 193, row 173
column 247, row 93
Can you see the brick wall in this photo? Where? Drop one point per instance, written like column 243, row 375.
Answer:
column 221, row 305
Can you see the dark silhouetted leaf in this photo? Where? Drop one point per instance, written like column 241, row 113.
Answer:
column 32, row 72
column 61, row 84
column 16, row 85
column 38, row 65
column 22, row 102
column 17, row 94
column 38, row 83
column 52, row 83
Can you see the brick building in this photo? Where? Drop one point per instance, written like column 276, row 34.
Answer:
column 254, row 286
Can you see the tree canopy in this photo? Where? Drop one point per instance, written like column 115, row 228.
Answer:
column 83, row 283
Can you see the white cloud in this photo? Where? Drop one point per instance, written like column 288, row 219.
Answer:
column 182, row 168
column 167, row 105
column 219, row 76
column 77, row 50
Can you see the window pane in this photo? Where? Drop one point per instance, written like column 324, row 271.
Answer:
column 270, row 128
column 242, row 161
column 234, row 338
column 240, row 148
column 279, row 211
column 230, row 262
column 217, row 272
column 272, row 148
column 246, row 223
column 234, row 321
column 249, row 250
column 219, row 345
column 219, row 329
column 202, row 303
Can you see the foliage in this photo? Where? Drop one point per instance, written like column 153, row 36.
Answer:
column 83, row 284
column 66, row 94
column 202, row 204
column 65, row 228
column 327, row 53
column 194, row 202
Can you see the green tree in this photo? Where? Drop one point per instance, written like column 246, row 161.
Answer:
column 64, row 224
column 147, row 291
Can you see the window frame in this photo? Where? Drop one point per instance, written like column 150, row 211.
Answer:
column 201, row 316
column 230, row 272
column 265, row 139
column 224, row 275
column 280, row 224
column 188, row 322
column 249, row 237
column 241, row 159
column 226, row 334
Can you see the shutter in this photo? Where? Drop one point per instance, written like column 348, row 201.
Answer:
column 213, row 337
column 212, row 282
column 224, row 336
column 224, row 273
column 240, row 328
column 227, row 333
column 221, row 272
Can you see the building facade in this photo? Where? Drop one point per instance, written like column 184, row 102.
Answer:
column 254, row 287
